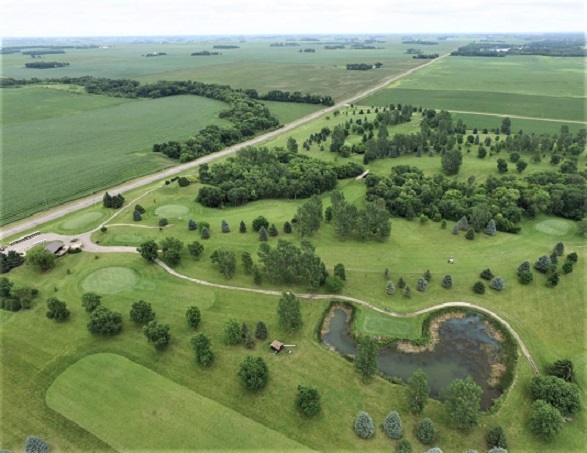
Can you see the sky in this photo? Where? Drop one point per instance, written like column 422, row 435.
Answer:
column 48, row 18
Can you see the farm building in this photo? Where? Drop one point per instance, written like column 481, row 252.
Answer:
column 56, row 248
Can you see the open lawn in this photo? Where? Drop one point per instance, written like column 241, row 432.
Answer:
column 102, row 392
column 88, row 143
column 533, row 86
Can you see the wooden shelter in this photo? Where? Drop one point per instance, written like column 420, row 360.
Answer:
column 276, row 346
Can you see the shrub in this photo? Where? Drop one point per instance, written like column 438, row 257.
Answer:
column 524, row 267
column 496, row 438
column 140, row 209
column 390, row 288
column 447, row 281
column 408, row 291
column 490, row 229
column 526, row 277
column 443, row 224
column 195, row 249
column 543, row 264
column 401, row 283
column 183, row 181
column 34, row 444
column 260, row 222
column 163, row 222
column 497, row 284
column 455, row 229
column 287, row 228
column 573, row 257
column 340, row 271
column 333, row 284
column 427, row 275
column 308, row 400
column 426, row 431
column 224, row 227
column 563, row 369
column 91, row 301
column 568, row 267
column 479, row 287
column 253, row 373
column 393, row 425
column 422, row 284
column 364, row 426
column 463, row 223
column 403, row 446
column 261, row 331
column 487, row 274
column 470, row 234
column 553, row 279
column 201, row 346
column 104, row 322
column 193, row 317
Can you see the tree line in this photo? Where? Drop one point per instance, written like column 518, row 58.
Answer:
column 261, row 173
column 363, row 66
column 296, row 96
column 46, row 64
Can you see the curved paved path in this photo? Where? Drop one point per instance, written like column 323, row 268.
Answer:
column 59, row 212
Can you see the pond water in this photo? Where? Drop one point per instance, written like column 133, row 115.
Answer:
column 464, row 349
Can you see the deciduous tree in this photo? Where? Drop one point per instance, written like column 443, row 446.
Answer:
column 546, row 421
column 57, row 310
column 148, row 250
column 288, row 312
column 193, row 317
column 417, row 392
column 171, row 250
column 91, row 301
column 308, row 401
column 141, row 312
column 41, row 258
column 104, row 322
column 366, row 358
column 201, row 346
column 462, row 400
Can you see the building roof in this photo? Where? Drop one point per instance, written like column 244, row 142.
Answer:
column 277, row 345
column 54, row 246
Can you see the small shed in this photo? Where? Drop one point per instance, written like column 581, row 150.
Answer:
column 276, row 346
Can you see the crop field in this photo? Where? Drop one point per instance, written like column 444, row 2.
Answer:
column 74, row 144
column 532, row 86
column 255, row 64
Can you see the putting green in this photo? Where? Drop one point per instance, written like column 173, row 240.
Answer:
column 132, row 408
column 82, row 220
column 554, row 227
column 376, row 324
column 110, row 280
column 172, row 211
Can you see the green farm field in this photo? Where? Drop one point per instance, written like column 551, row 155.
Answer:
column 532, row 86
column 74, row 144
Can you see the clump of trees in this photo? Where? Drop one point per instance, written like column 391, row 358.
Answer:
column 114, row 202
column 372, row 222
column 9, row 261
column 104, row 322
column 57, row 310
column 41, row 258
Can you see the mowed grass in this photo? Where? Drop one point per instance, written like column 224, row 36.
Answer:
column 376, row 324
column 528, row 86
column 102, row 392
column 50, row 160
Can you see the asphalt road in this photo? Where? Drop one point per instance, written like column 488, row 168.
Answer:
column 60, row 211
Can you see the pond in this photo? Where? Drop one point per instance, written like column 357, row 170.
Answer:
column 465, row 347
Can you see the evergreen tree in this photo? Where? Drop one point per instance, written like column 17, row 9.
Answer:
column 491, row 228
column 232, row 332
column 426, row 431
column 254, row 373
column 205, row 233
column 201, row 346
column 401, row 283
column 242, row 228
column 455, row 229
column 260, row 222
column 287, row 228
column 364, row 426
column 261, row 331
column 567, row 267
column 386, row 274
column 247, row 262
column 497, row 283
column 408, row 291
column 288, row 312
column 543, row 264
column 470, row 234
column 487, row 274
column 196, row 249
column 447, row 281
column 273, row 230
column 524, row 267
column 225, row 227
column 559, row 249
column 422, row 284
column 136, row 216
column 393, row 425
column 192, row 225
column 257, row 276
column 479, row 287
column 308, row 401
column 263, row 236
column 463, row 224
column 390, row 288
column 193, row 317
column 496, row 438
column 339, row 271
column 427, row 275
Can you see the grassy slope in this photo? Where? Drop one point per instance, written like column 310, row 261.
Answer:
column 101, row 392
column 527, row 86
column 80, row 147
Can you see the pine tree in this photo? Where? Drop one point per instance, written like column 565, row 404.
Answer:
column 247, row 262
column 273, row 230
column 455, row 229
column 470, row 234
column 390, row 288
column 386, row 274
column 463, row 223
column 261, row 331
column 263, row 236
column 559, row 249
column 257, row 276
column 447, row 281
column 422, row 284
column 491, row 228
column 401, row 283
column 224, row 227
column 427, row 275
column 408, row 291
column 479, row 287
column 205, row 233
column 136, row 216
column 192, row 225
column 287, row 228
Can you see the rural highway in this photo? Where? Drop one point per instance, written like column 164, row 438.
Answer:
column 60, row 211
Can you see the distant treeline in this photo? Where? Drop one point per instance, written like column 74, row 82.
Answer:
column 43, row 52
column 363, row 47
column 225, row 46
column 423, row 56
column 260, row 173
column 204, row 53
column 308, row 50
column 418, row 41
column 363, row 66
column 17, row 49
column 45, row 64
column 284, row 44
column 155, row 54
column 296, row 96
column 549, row 48
column 335, row 46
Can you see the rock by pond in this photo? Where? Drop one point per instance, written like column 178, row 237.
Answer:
column 465, row 346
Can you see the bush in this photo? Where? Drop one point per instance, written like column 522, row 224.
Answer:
column 553, row 279
column 408, row 291
column 308, row 400
column 57, row 310
column 526, row 277
column 254, row 373
column 333, row 284
column 426, row 431
column 104, row 322
column 563, row 369
column 163, row 222
column 91, row 301
column 447, row 281
column 232, row 332
column 183, row 181
column 486, row 274
column 496, row 438
column 479, row 287
column 543, row 264
column 34, row 444
column 364, row 426
column 559, row 249
column 140, row 209
column 242, row 227
column 393, row 425
column 193, row 317
column 497, row 284
column 260, row 222
column 340, row 271
column 201, row 346
column 403, row 446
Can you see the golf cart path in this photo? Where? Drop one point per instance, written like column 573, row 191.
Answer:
column 59, row 212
